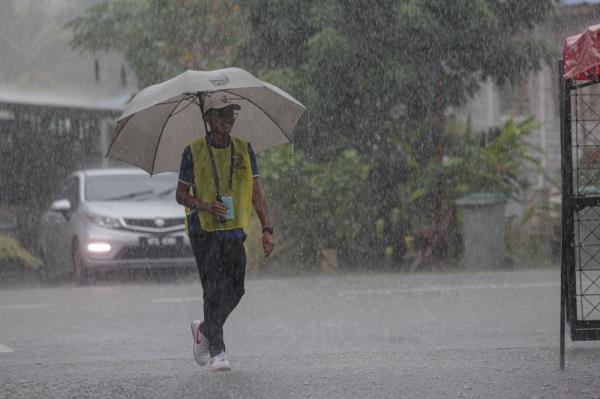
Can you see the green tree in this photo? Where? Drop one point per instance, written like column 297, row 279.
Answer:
column 378, row 77
column 381, row 75
column 366, row 65
column 160, row 38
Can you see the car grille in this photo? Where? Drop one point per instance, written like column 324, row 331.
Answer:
column 153, row 222
column 155, row 252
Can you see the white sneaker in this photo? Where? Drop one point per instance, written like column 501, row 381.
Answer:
column 219, row 363
column 200, row 343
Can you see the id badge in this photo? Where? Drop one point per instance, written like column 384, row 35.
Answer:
column 228, row 202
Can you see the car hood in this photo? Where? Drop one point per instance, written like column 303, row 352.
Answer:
column 137, row 209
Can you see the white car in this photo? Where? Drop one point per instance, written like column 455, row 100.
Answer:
column 111, row 219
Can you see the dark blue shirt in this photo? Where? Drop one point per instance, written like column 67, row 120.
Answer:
column 186, row 176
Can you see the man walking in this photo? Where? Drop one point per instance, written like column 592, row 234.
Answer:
column 218, row 185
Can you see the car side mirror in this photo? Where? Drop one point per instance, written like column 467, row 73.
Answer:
column 62, row 206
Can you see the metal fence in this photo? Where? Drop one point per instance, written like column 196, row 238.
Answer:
column 580, row 259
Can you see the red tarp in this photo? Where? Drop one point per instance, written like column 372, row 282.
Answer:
column 581, row 55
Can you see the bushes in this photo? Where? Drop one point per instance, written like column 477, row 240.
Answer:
column 471, row 163
column 316, row 205
column 14, row 257
column 369, row 215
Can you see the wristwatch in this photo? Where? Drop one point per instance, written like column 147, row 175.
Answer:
column 267, row 230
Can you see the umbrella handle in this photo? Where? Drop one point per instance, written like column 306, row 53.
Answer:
column 201, row 96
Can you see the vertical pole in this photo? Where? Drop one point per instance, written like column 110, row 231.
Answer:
column 566, row 203
column 570, row 208
column 561, row 96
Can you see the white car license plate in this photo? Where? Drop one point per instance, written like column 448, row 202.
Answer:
column 153, row 241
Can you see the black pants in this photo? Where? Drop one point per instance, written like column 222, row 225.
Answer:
column 222, row 266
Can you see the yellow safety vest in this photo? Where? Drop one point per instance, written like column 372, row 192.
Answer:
column 242, row 185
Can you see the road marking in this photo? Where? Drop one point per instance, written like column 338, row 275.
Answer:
column 177, row 300
column 26, row 306
column 5, row 349
column 489, row 286
column 448, row 288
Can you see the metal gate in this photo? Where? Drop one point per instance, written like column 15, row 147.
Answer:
column 580, row 259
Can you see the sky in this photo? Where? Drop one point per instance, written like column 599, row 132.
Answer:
column 37, row 55
column 578, row 1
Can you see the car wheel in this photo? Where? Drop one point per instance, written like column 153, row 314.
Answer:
column 79, row 271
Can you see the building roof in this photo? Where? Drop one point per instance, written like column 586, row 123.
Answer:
column 63, row 99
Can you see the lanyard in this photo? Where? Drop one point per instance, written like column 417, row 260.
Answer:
column 214, row 167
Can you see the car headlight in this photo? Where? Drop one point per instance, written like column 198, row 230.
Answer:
column 104, row 221
column 98, row 247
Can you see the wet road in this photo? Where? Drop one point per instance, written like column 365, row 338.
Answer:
column 461, row 335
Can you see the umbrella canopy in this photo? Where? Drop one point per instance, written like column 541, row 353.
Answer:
column 162, row 119
column 581, row 55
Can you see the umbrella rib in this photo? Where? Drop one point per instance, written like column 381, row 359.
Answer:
column 129, row 162
column 168, row 102
column 175, row 101
column 132, row 115
column 117, row 135
column 264, row 112
column 162, row 130
column 186, row 106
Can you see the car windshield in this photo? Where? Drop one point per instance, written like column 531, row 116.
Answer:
column 130, row 187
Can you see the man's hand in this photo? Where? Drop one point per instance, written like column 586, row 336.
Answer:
column 183, row 197
column 216, row 208
column 267, row 243
column 260, row 206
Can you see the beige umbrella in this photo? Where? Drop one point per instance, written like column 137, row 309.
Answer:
column 162, row 119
